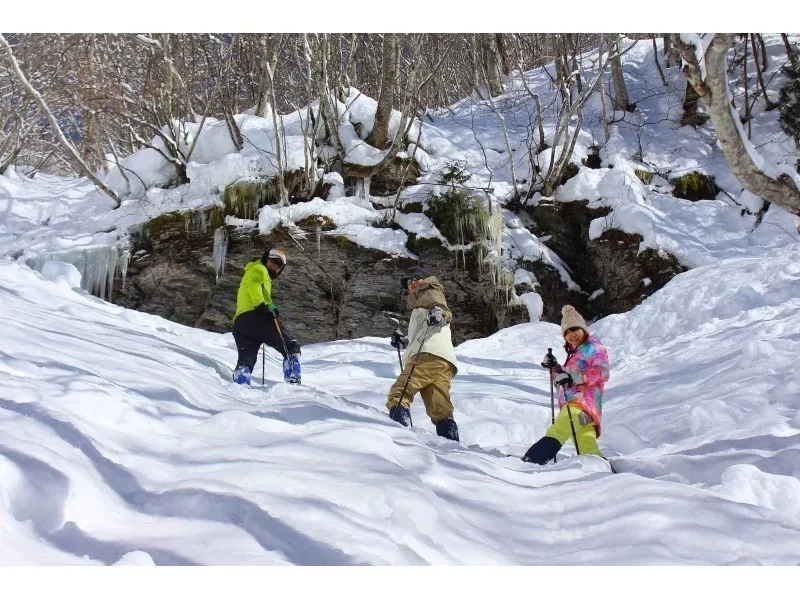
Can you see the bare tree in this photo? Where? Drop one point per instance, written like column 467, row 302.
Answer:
column 658, row 65
column 379, row 136
column 502, row 52
column 620, row 90
column 763, row 50
column 712, row 86
column 489, row 64
column 791, row 53
column 36, row 96
column 670, row 53
column 759, row 68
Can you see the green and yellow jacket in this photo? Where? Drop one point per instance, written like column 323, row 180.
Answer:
column 255, row 288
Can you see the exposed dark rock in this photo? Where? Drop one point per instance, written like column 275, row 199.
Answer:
column 612, row 262
column 694, row 186
column 623, row 272
column 335, row 289
column 400, row 173
column 413, row 207
column 570, row 171
column 592, row 160
column 345, row 291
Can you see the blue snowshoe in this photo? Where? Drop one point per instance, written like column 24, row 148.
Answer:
column 241, row 375
column 291, row 369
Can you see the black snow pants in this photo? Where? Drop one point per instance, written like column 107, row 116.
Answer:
column 251, row 329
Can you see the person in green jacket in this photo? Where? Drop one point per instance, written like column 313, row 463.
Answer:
column 256, row 319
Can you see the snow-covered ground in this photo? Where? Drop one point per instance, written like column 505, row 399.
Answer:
column 124, row 441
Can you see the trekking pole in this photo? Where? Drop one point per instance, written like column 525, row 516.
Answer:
column 399, row 357
column 566, row 402
column 263, row 363
column 572, row 425
column 552, row 398
column 414, row 365
column 569, row 413
column 280, row 334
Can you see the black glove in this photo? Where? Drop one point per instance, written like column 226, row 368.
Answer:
column 262, row 308
column 549, row 361
column 563, row 379
column 435, row 316
column 398, row 340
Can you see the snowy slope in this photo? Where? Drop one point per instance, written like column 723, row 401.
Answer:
column 120, row 434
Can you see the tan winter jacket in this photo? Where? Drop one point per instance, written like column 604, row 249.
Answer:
column 436, row 340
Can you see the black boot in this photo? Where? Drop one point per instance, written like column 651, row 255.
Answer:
column 447, row 428
column 401, row 415
column 542, row 451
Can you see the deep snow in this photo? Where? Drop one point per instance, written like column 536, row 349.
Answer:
column 123, row 441
column 122, row 433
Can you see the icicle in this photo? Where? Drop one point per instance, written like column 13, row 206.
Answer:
column 111, row 269
column 96, row 265
column 220, row 250
column 125, row 259
column 319, row 236
column 367, row 182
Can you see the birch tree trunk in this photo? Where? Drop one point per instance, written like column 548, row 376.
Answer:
column 742, row 157
column 791, row 54
column 270, row 65
column 502, row 51
column 601, row 88
column 490, row 63
column 672, row 54
column 329, row 115
column 763, row 48
column 620, row 91
column 379, row 136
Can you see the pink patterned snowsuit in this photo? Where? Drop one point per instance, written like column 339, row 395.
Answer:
column 588, row 366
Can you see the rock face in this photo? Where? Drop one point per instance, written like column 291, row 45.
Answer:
column 611, row 263
column 344, row 291
column 399, row 173
column 338, row 290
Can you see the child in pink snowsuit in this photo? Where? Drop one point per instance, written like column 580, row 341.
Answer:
column 580, row 384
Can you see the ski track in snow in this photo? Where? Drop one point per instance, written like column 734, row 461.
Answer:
column 123, row 440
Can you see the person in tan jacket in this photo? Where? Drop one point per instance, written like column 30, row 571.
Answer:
column 429, row 361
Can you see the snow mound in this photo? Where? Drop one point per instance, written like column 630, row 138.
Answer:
column 748, row 484
column 62, row 272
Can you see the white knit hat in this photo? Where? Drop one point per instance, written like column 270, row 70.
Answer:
column 571, row 319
